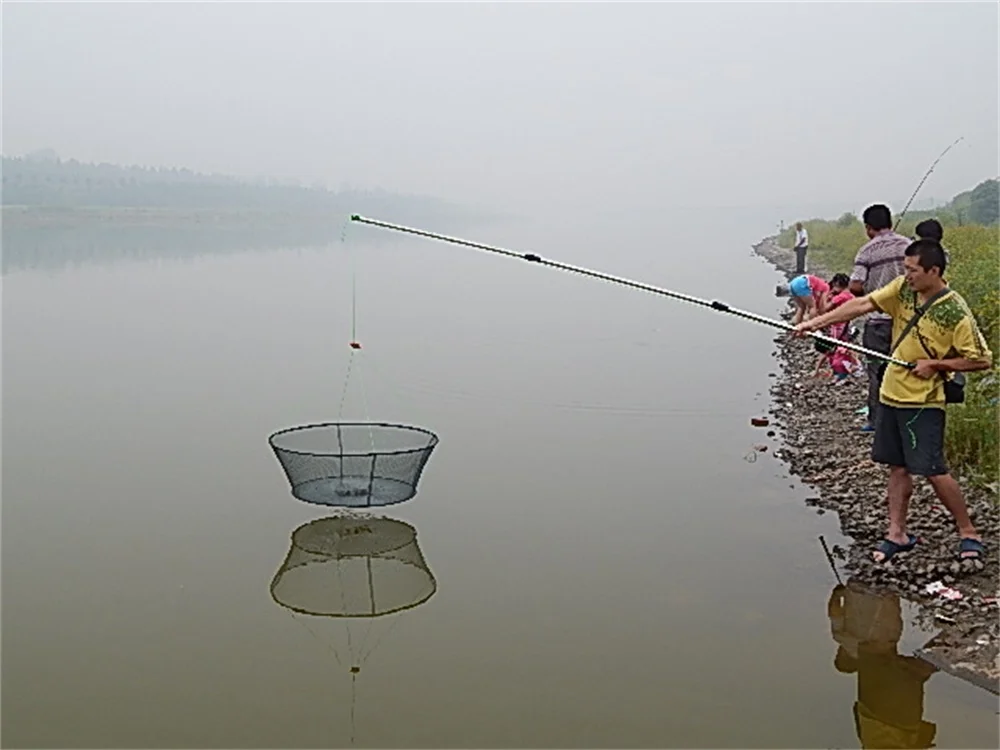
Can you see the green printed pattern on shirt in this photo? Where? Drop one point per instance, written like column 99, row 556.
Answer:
column 945, row 314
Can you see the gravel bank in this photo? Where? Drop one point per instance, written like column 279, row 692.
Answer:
column 823, row 447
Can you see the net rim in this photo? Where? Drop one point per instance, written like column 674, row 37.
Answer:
column 359, row 615
column 383, row 504
column 431, row 444
column 305, row 528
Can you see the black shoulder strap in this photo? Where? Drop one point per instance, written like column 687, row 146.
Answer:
column 918, row 313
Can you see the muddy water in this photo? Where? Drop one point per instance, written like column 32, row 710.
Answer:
column 604, row 567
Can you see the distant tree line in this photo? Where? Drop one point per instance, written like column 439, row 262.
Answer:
column 42, row 179
column 981, row 205
column 59, row 212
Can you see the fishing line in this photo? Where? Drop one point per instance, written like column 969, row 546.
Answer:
column 713, row 304
column 923, row 180
column 355, row 347
column 354, row 315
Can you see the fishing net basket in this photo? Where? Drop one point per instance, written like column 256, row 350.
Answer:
column 353, row 567
column 353, row 464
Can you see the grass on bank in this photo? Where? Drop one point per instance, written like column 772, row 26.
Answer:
column 973, row 446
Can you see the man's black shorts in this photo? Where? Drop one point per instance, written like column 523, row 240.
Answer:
column 913, row 438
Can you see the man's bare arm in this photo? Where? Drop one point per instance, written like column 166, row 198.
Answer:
column 960, row 364
column 926, row 368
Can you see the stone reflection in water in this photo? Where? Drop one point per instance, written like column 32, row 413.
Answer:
column 889, row 710
column 348, row 579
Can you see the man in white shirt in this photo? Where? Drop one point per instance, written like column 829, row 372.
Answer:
column 801, row 246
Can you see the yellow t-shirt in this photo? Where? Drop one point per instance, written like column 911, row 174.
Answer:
column 948, row 330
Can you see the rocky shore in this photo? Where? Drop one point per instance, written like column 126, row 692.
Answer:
column 822, row 445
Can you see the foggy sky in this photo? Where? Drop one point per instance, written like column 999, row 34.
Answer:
column 522, row 105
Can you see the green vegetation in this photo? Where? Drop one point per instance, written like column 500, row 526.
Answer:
column 972, row 239
column 981, row 205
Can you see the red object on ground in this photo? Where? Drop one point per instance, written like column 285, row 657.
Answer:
column 759, row 421
column 355, row 344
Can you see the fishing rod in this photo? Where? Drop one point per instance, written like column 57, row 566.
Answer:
column 923, row 180
column 829, row 559
column 713, row 304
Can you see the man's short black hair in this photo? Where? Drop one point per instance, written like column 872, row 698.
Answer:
column 877, row 216
column 840, row 279
column 930, row 229
column 930, row 253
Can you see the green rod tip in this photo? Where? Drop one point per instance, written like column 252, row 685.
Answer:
column 355, row 217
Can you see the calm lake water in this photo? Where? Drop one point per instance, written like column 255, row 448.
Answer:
column 608, row 569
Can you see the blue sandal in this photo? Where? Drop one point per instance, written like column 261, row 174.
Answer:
column 973, row 546
column 889, row 548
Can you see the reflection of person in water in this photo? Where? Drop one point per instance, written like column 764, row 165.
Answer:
column 890, row 706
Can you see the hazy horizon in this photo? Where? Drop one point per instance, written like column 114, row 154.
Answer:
column 524, row 107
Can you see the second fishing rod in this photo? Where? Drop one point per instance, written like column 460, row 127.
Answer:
column 711, row 304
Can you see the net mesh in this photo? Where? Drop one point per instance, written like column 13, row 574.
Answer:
column 348, row 566
column 353, row 464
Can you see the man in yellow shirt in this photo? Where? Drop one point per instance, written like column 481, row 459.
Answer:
column 909, row 427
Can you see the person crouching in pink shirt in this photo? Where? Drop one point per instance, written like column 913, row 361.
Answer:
column 843, row 362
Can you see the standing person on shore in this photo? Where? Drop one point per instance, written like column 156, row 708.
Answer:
column 878, row 262
column 910, row 421
column 801, row 247
column 931, row 229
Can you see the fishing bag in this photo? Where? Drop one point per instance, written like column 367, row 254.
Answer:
column 954, row 387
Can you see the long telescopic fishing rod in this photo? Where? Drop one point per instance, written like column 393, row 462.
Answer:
column 713, row 304
column 923, row 180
